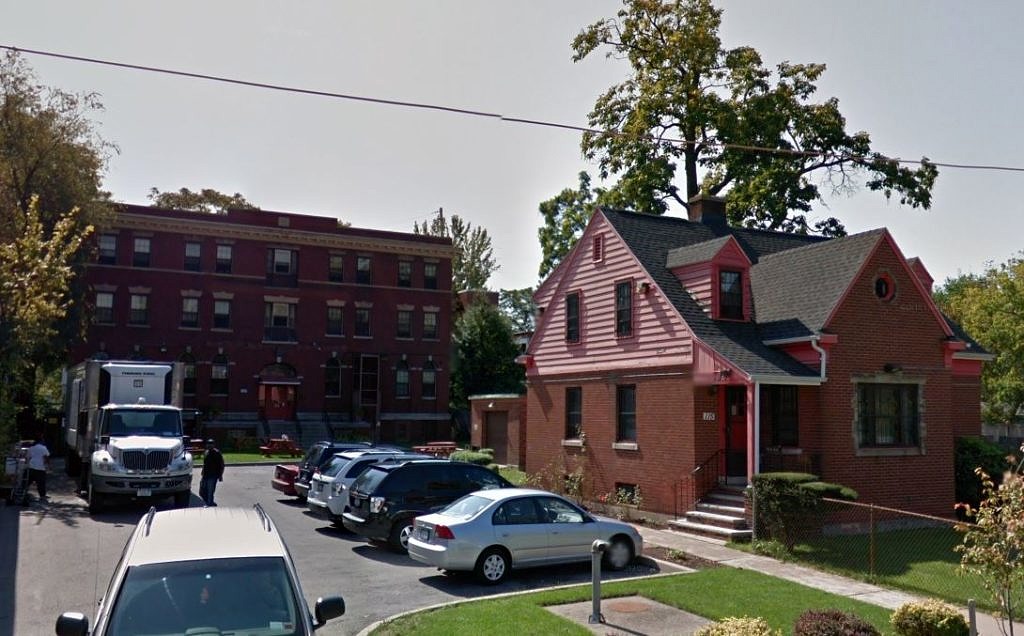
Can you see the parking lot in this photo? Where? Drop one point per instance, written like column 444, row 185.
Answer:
column 54, row 557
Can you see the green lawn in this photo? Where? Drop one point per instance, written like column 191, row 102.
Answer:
column 715, row 594
column 252, row 458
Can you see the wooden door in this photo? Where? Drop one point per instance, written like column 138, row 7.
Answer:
column 496, row 434
column 736, row 431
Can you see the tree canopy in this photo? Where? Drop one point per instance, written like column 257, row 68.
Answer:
column 206, row 200
column 517, row 305
column 694, row 116
column 485, row 354
column 474, row 261
column 990, row 306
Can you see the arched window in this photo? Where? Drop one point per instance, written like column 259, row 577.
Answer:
column 402, row 379
column 332, row 378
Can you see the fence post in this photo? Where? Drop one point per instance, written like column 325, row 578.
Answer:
column 871, row 541
column 972, row 615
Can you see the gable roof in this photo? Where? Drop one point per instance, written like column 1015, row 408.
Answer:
column 699, row 253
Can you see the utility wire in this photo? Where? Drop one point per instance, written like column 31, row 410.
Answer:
column 479, row 113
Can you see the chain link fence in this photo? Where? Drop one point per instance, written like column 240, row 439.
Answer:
column 889, row 547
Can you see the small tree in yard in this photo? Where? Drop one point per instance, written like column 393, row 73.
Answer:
column 993, row 547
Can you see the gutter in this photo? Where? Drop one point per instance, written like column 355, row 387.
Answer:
column 821, row 352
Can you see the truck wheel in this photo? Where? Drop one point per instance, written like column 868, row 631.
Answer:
column 182, row 499
column 95, row 500
column 73, row 464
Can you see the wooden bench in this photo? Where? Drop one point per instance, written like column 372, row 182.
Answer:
column 280, row 447
column 437, row 449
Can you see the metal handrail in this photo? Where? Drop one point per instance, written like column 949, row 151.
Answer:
column 702, row 479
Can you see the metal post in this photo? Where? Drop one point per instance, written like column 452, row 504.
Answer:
column 972, row 616
column 597, row 548
column 871, row 542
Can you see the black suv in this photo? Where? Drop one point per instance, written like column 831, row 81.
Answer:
column 385, row 499
column 318, row 456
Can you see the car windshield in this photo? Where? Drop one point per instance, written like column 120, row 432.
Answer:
column 155, row 422
column 466, row 507
column 236, row 596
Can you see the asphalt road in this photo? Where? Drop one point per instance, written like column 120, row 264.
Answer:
column 54, row 557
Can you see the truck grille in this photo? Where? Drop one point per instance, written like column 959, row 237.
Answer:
column 146, row 460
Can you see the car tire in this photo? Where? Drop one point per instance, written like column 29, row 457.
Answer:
column 399, row 537
column 493, row 566
column 619, row 554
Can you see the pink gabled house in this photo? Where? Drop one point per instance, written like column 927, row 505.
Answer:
column 674, row 355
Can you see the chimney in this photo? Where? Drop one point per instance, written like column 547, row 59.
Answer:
column 708, row 210
column 921, row 272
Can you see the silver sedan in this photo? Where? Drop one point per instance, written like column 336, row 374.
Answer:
column 490, row 532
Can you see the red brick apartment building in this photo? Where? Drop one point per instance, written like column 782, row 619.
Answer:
column 281, row 318
column 674, row 355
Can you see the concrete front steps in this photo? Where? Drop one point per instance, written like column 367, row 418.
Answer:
column 718, row 515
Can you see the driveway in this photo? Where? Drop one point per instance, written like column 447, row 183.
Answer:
column 54, row 557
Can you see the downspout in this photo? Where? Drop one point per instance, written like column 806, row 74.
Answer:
column 822, row 353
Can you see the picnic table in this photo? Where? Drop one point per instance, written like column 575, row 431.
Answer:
column 437, row 449
column 280, row 446
column 197, row 448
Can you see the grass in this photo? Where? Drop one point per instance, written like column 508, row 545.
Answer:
column 515, row 476
column 252, row 458
column 714, row 594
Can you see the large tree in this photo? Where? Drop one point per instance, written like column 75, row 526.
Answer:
column 474, row 261
column 50, row 154
column 517, row 305
column 990, row 306
column 694, row 116
column 485, row 355
column 206, row 200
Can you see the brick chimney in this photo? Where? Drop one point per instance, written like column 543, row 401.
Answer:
column 708, row 210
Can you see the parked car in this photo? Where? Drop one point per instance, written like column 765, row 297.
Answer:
column 386, row 498
column 492, row 532
column 322, row 480
column 337, row 497
column 284, row 479
column 293, row 479
column 204, row 570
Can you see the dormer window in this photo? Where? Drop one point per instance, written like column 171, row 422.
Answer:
column 730, row 294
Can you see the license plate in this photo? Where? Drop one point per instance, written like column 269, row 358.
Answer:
column 144, row 492
column 423, row 534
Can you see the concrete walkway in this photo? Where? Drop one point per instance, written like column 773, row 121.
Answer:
column 717, row 552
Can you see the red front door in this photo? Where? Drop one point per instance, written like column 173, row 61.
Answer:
column 736, row 431
column 277, row 401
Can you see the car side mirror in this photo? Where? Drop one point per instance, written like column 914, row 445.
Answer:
column 328, row 608
column 72, row 624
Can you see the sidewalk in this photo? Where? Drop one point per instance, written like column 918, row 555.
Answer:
column 717, row 552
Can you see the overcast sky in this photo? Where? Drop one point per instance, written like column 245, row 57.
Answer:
column 940, row 79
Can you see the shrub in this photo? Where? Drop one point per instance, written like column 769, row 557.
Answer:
column 473, row 457
column 930, row 617
column 832, row 622
column 785, row 504
column 744, row 626
column 971, row 453
column 770, row 548
column 832, row 491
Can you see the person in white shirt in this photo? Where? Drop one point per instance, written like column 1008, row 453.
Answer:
column 38, row 462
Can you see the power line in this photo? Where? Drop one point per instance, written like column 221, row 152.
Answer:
column 478, row 113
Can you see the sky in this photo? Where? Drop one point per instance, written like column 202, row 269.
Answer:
column 924, row 78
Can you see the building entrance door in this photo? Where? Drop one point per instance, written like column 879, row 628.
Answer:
column 736, row 431
column 496, row 434
column 277, row 401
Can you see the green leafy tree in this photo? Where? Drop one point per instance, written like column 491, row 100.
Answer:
column 517, row 305
column 485, row 355
column 565, row 216
column 990, row 306
column 693, row 116
column 206, row 200
column 50, row 153
column 474, row 261
column 993, row 546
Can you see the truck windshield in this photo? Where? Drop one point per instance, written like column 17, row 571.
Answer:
column 159, row 423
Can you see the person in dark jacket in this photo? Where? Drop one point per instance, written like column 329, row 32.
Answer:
column 213, row 471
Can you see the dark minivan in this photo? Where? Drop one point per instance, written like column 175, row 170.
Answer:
column 385, row 499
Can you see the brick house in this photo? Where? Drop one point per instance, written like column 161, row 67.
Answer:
column 281, row 319
column 673, row 355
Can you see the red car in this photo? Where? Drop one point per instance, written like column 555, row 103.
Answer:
column 284, row 479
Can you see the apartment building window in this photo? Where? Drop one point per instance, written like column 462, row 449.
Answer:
column 730, row 295
column 332, row 378
column 572, row 317
column 222, row 314
column 402, row 379
column 283, row 261
column 430, row 325
column 223, row 265
column 364, row 273
column 368, row 379
column 404, row 329
column 625, row 410
column 141, row 252
column 336, row 268
column 624, row 308
column 139, row 310
column 405, row 273
column 362, row 322
column 429, row 388
column 189, row 362
column 219, row 375
column 573, row 412
column 888, row 415
column 193, row 256
column 190, row 312
column 430, row 275
column 104, row 310
column 335, row 321
column 108, row 249
column 279, row 321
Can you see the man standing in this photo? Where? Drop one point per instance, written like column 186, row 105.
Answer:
column 213, row 471
column 38, row 461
